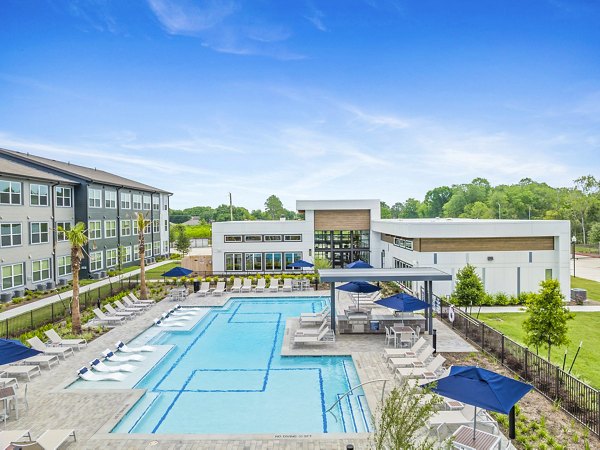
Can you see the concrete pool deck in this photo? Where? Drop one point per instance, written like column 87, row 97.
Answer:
column 91, row 412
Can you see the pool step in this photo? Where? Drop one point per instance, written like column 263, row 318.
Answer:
column 354, row 414
column 137, row 412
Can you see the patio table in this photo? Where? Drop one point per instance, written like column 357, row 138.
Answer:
column 7, row 394
column 463, row 439
column 397, row 329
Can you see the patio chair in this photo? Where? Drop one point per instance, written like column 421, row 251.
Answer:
column 49, row 440
column 261, row 285
column 86, row 374
column 311, row 331
column 418, row 361
column 454, row 419
column 110, row 320
column 220, row 289
column 133, row 299
column 313, row 320
column 18, row 370
column 48, row 360
column 287, row 285
column 8, row 436
column 162, row 323
column 403, row 338
column 274, row 285
column 237, row 285
column 57, row 340
column 247, row 286
column 312, row 339
column 101, row 367
column 113, row 312
column 324, row 311
column 405, row 352
column 37, row 344
column 388, row 335
column 109, row 355
column 204, row 289
column 122, row 347
column 136, row 309
column 425, row 372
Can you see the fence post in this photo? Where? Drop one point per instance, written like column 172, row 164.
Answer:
column 557, row 383
column 526, row 358
column 6, row 328
column 482, row 336
column 31, row 315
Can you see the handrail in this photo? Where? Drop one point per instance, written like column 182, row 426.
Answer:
column 385, row 380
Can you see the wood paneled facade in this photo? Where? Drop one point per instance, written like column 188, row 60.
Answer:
column 504, row 244
column 343, row 220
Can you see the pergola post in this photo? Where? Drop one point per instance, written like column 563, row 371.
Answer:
column 332, row 293
column 426, row 299
column 430, row 301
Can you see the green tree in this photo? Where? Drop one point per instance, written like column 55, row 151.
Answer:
column 142, row 223
column 274, row 207
column 547, row 317
column 435, row 199
column 400, row 420
column 594, row 234
column 386, row 212
column 77, row 238
column 182, row 241
column 468, row 290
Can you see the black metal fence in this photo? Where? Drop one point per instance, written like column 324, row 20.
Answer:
column 57, row 311
column 575, row 397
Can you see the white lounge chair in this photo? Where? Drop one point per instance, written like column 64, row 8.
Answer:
column 287, row 285
column 405, row 352
column 37, row 344
column 167, row 317
column 128, row 302
column 220, row 289
column 247, row 287
column 204, row 289
column 86, row 374
column 261, row 284
column 108, row 354
column 122, row 347
column 163, row 323
column 48, row 440
column 101, row 367
column 136, row 309
column 110, row 320
column 8, row 436
column 236, row 286
column 454, row 419
column 274, row 286
column 311, row 339
column 113, row 312
column 423, row 372
column 178, row 311
column 137, row 300
column 311, row 331
column 57, row 340
column 21, row 370
column 321, row 313
column 48, row 360
column 417, row 361
column 313, row 320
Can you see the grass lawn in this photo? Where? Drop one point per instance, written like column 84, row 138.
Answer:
column 584, row 327
column 592, row 287
column 155, row 273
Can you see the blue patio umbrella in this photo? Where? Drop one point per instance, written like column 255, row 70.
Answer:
column 359, row 265
column 177, row 272
column 481, row 388
column 300, row 264
column 359, row 287
column 11, row 351
column 403, row 302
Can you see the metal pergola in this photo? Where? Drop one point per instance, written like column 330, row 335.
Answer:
column 426, row 274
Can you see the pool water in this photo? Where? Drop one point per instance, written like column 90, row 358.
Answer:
column 226, row 376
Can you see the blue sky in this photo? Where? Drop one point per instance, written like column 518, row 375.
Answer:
column 305, row 99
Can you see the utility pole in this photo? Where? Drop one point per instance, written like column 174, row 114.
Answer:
column 230, row 208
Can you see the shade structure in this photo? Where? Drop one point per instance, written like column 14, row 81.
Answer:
column 359, row 287
column 177, row 272
column 403, row 302
column 359, row 265
column 300, row 264
column 11, row 351
column 481, row 388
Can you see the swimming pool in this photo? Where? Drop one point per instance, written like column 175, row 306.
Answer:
column 226, row 376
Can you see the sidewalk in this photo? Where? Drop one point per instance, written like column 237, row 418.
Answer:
column 67, row 294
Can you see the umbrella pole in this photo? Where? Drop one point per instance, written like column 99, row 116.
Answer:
column 474, row 424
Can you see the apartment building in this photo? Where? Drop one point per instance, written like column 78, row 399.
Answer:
column 38, row 194
column 511, row 256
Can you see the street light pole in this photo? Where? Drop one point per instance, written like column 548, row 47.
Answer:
column 499, row 215
column 573, row 241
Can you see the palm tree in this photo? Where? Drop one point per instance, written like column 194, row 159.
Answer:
column 78, row 239
column 142, row 223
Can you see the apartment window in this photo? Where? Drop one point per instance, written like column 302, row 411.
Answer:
column 166, row 225
column 39, row 233
column 548, row 274
column 64, row 266
column 95, row 261
column 272, row 238
column 60, row 235
column 94, row 229
column 111, row 257
column 135, row 227
column 146, row 202
column 233, row 238
column 148, row 249
column 64, row 197
column 125, row 227
column 291, row 257
column 126, row 252
column 125, row 200
column 156, row 248
column 253, row 261
column 156, row 226
column 272, row 261
column 10, row 234
column 403, row 243
column 292, row 238
column 136, row 252
column 110, row 199
column 155, row 203
column 94, row 198
column 12, row 276
column 166, row 247
column 253, row 238
column 40, row 270
column 10, row 192
column 148, row 227
column 38, row 194
column 137, row 201
column 110, row 228
column 233, row 262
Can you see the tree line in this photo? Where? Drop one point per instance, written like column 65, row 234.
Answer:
column 527, row 199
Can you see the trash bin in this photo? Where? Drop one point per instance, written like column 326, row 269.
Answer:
column 374, row 325
column 579, row 295
column 196, row 286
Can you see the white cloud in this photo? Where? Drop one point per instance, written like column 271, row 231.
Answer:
column 190, row 18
